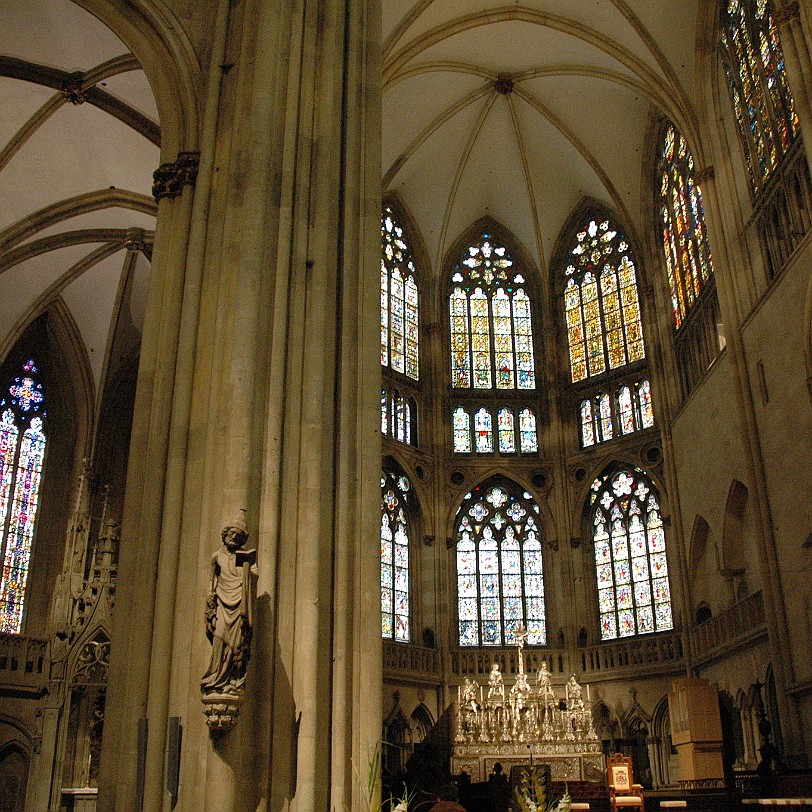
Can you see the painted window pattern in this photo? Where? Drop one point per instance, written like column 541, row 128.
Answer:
column 399, row 299
column 634, row 596
column 500, row 579
column 682, row 217
column 512, row 433
column 490, row 320
column 22, row 451
column 754, row 65
column 603, row 417
column 395, row 492
column 600, row 301
column 399, row 417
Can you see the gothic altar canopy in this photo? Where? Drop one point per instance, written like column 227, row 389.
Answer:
column 526, row 723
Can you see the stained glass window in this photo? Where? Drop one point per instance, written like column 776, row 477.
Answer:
column 754, row 64
column 634, row 596
column 500, row 579
column 507, row 432
column 395, row 493
column 644, row 402
column 22, row 451
column 399, row 299
column 490, row 318
column 384, row 413
column 529, row 443
column 682, row 217
column 462, row 431
column 600, row 301
column 601, row 419
column 483, row 428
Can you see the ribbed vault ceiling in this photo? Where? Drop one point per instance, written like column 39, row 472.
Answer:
column 79, row 141
column 518, row 111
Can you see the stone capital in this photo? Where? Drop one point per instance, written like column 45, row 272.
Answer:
column 170, row 178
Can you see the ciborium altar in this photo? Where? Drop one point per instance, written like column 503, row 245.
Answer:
column 512, row 726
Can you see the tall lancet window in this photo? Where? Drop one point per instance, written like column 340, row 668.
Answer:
column 491, row 323
column 601, row 302
column 399, row 299
column 395, row 496
column 682, row 218
column 634, row 596
column 500, row 579
column 22, row 451
column 754, row 64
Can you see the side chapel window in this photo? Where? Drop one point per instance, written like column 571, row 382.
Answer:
column 22, row 451
column 500, row 579
column 395, row 493
column 634, row 596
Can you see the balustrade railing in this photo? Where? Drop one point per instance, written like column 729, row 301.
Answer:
column 738, row 625
column 23, row 662
column 657, row 653
column 417, row 662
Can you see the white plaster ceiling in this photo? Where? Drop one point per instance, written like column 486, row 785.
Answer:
column 54, row 154
column 586, row 76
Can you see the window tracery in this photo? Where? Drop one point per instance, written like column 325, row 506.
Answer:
column 754, row 65
column 491, row 322
column 500, row 579
column 634, row 595
column 601, row 301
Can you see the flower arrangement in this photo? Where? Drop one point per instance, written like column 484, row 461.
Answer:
column 531, row 795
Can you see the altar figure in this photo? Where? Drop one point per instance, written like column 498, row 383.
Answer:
column 229, row 610
column 544, row 687
column 469, row 710
column 523, row 722
column 575, row 701
column 495, row 706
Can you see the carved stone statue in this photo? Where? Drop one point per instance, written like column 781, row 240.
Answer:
column 229, row 613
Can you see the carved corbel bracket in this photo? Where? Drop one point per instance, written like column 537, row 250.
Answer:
column 221, row 711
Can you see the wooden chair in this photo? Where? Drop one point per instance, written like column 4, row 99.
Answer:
column 623, row 792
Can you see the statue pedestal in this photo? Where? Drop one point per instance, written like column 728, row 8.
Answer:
column 221, row 711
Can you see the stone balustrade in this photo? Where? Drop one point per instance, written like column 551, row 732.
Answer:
column 406, row 661
column 23, row 663
column 739, row 625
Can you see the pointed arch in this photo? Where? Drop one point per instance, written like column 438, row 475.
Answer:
column 698, row 544
column 733, row 526
column 499, row 565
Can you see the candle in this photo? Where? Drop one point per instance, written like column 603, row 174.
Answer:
column 587, row 695
column 459, row 695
